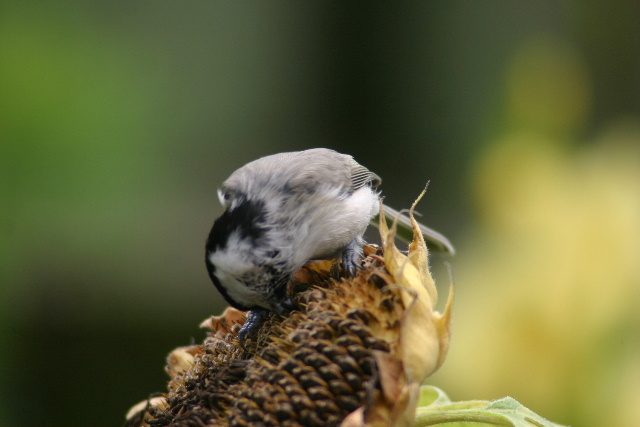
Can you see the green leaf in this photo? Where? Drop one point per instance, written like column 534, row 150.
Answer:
column 435, row 408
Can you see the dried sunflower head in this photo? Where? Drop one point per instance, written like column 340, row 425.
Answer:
column 354, row 354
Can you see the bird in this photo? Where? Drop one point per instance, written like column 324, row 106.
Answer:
column 284, row 210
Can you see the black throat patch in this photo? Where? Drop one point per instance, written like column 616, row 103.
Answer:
column 247, row 218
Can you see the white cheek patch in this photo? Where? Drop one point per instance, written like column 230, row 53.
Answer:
column 239, row 292
column 231, row 264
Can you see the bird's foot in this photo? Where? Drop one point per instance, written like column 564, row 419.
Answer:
column 250, row 327
column 257, row 315
column 352, row 257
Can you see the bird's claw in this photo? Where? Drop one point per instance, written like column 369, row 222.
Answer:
column 351, row 257
column 250, row 327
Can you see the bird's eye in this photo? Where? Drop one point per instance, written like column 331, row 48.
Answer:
column 225, row 196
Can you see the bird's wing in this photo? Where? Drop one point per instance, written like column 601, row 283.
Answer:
column 435, row 240
column 361, row 176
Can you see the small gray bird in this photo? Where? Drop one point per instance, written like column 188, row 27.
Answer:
column 284, row 210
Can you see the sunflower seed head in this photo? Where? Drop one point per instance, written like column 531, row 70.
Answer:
column 353, row 354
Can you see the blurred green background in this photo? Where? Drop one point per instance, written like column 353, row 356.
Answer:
column 119, row 119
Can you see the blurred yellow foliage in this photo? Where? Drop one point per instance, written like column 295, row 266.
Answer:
column 550, row 281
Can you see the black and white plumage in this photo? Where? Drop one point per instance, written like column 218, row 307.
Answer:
column 282, row 211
